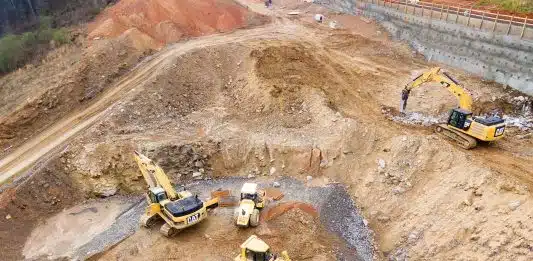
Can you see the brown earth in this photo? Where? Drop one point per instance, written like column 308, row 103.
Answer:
column 295, row 99
column 68, row 80
column 218, row 239
column 32, row 201
column 169, row 21
column 282, row 208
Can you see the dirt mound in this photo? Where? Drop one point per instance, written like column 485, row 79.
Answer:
column 276, row 211
column 298, row 229
column 45, row 195
column 290, row 109
column 170, row 21
column 354, row 44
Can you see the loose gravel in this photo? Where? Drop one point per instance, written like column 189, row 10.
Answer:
column 337, row 212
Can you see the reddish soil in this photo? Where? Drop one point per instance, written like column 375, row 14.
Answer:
column 168, row 21
column 276, row 211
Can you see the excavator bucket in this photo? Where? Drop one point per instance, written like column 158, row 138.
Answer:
column 403, row 101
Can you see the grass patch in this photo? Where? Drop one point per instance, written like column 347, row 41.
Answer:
column 518, row 6
column 17, row 50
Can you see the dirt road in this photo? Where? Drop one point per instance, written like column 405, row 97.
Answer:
column 24, row 157
column 291, row 99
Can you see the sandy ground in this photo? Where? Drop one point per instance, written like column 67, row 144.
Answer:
column 326, row 237
column 39, row 146
column 64, row 233
column 291, row 98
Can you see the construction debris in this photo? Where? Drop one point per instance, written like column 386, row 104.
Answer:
column 220, row 193
column 229, row 201
column 274, row 193
column 299, row 96
column 225, row 198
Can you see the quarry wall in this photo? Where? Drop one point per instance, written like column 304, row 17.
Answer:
column 494, row 49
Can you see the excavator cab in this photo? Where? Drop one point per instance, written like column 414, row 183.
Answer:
column 157, row 194
column 460, row 119
column 249, row 191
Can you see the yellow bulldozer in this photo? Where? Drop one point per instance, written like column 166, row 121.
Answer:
column 179, row 210
column 462, row 127
column 255, row 249
column 252, row 200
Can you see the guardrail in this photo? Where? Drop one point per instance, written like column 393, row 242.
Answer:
column 470, row 17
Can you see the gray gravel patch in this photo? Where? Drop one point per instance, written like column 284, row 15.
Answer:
column 125, row 225
column 337, row 212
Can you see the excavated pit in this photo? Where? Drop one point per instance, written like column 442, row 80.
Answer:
column 328, row 209
column 282, row 103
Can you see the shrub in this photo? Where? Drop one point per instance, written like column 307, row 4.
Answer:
column 11, row 52
column 519, row 6
column 16, row 50
column 61, row 36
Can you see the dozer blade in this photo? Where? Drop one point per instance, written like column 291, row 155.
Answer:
column 212, row 203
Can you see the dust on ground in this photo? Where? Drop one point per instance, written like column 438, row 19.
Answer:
column 310, row 226
column 298, row 99
column 63, row 233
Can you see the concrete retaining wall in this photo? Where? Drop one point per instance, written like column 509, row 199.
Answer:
column 506, row 59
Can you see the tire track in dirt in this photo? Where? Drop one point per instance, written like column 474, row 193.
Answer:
column 24, row 157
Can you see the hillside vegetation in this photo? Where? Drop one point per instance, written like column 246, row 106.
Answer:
column 18, row 49
column 18, row 16
column 517, row 6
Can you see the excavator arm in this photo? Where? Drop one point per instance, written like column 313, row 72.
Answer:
column 154, row 175
column 435, row 75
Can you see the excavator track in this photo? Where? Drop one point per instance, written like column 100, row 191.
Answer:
column 147, row 221
column 466, row 142
column 168, row 230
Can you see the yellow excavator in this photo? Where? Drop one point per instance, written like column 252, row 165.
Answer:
column 462, row 126
column 178, row 209
column 255, row 249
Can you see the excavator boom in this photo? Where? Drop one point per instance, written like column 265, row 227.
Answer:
column 154, row 175
column 435, row 75
column 461, row 126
